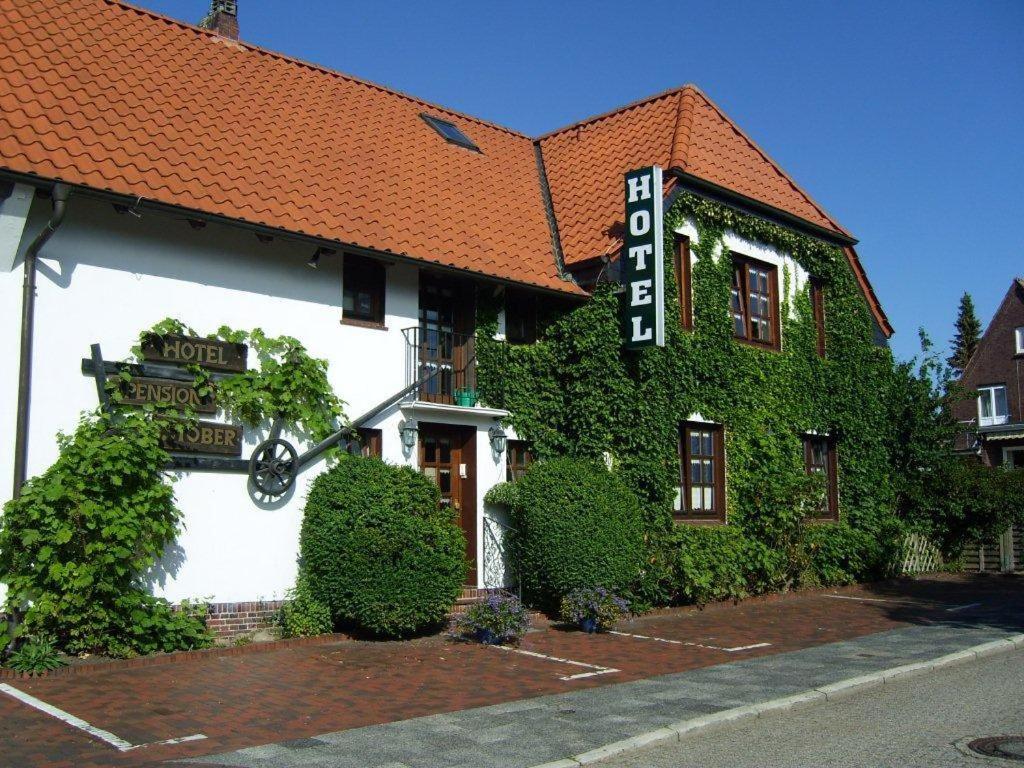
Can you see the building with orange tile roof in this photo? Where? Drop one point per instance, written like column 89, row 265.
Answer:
column 151, row 168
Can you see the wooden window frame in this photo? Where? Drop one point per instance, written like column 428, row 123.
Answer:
column 367, row 276
column 831, row 470
column 817, row 292
column 718, row 515
column 371, row 442
column 684, row 281
column 525, row 303
column 514, row 448
column 741, row 265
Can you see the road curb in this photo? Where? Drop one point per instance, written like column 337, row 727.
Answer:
column 830, row 692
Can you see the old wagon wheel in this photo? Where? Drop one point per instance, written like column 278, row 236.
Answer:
column 273, row 467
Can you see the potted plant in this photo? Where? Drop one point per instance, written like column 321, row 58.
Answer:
column 465, row 396
column 499, row 620
column 594, row 609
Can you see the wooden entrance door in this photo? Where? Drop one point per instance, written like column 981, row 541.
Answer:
column 447, row 455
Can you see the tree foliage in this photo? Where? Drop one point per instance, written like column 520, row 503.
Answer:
column 967, row 335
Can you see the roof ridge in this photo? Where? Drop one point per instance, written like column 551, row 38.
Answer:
column 753, row 144
column 679, row 151
column 615, row 111
column 314, row 66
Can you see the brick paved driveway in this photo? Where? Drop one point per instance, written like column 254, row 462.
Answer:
column 289, row 693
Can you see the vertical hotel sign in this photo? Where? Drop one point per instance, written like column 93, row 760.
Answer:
column 643, row 260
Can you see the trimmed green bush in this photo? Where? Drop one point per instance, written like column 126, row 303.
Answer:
column 575, row 525
column 303, row 615
column 839, row 554
column 710, row 563
column 378, row 550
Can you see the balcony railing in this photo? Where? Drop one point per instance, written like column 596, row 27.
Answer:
column 445, row 364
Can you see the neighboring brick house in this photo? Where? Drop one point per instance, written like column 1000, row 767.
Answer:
column 994, row 417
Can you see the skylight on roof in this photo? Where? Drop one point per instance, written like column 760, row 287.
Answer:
column 450, row 132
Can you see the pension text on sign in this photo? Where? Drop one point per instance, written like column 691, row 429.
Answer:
column 140, row 390
column 643, row 260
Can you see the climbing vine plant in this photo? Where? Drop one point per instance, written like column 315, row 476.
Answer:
column 578, row 392
column 76, row 546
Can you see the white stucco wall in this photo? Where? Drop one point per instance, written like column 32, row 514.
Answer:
column 105, row 276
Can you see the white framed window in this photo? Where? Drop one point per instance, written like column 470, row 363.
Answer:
column 992, row 407
column 1018, row 337
column 1014, row 457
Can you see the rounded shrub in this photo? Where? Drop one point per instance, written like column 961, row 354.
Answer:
column 378, row 550
column 576, row 525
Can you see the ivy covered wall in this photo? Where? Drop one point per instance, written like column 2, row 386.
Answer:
column 578, row 392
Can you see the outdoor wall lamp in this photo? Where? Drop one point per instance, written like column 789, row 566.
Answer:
column 314, row 262
column 408, row 431
column 498, row 438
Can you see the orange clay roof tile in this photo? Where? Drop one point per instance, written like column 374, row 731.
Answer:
column 104, row 95
column 101, row 94
column 681, row 130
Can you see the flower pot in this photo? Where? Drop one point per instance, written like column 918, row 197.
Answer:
column 465, row 397
column 487, row 636
column 588, row 625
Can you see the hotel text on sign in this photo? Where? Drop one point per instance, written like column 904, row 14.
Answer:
column 643, row 260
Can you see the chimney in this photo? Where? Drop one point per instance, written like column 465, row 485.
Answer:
column 222, row 18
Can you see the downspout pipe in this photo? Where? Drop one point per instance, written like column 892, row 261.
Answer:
column 60, row 195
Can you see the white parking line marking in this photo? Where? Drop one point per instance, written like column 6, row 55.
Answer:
column 956, row 608
column 693, row 645
column 863, row 599
column 746, row 647
column 76, row 722
column 598, row 670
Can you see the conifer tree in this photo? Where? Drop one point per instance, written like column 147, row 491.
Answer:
column 968, row 333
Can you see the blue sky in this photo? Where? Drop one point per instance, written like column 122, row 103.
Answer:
column 905, row 120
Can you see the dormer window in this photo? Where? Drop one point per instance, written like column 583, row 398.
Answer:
column 450, row 132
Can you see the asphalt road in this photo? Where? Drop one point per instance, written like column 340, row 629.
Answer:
column 915, row 722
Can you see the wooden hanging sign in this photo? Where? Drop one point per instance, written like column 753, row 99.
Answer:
column 203, row 437
column 215, row 354
column 140, row 390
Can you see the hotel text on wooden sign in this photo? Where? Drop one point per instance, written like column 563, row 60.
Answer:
column 643, row 260
column 140, row 390
column 203, row 437
column 215, row 354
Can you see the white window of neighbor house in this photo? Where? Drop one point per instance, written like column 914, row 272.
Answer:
column 1018, row 336
column 992, row 408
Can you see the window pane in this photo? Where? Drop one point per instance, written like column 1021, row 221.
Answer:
column 737, row 326
column 705, row 441
column 709, row 472
column 694, row 471
column 709, row 499
column 985, row 398
column 695, row 499
column 1000, row 398
column 694, row 444
column 445, row 481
